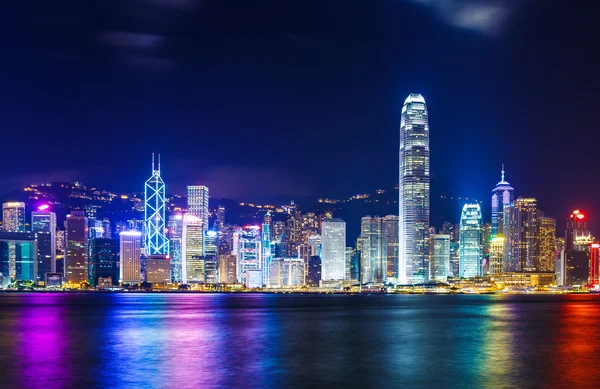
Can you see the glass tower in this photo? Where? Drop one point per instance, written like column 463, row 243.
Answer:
column 154, row 213
column 13, row 216
column 471, row 250
column 502, row 197
column 371, row 254
column 440, row 257
column 333, row 249
column 197, row 202
column 413, row 266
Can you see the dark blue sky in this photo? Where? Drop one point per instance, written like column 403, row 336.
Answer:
column 293, row 99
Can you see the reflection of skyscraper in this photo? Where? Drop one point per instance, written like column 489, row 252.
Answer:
column 76, row 258
column 502, row 197
column 414, row 191
column 470, row 241
column 439, row 250
column 197, row 201
column 333, row 248
column 154, row 213
column 43, row 224
column 130, row 257
column 13, row 216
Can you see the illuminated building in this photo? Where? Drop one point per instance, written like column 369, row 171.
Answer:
column 278, row 229
column 43, row 224
column 594, row 278
column 520, row 229
column 228, row 268
column 560, row 268
column 414, row 191
column 470, row 241
column 391, row 247
column 349, row 251
column 13, row 216
column 253, row 278
column 247, row 243
column 107, row 229
column 305, row 252
column 372, row 250
column 266, row 253
column 546, row 243
column 485, row 246
column 130, row 269
column 76, row 254
column 313, row 275
column 315, row 243
column 158, row 269
column 197, row 203
column 220, row 219
column 286, row 272
column 439, row 262
column 96, row 229
column 355, row 265
column 192, row 249
column 454, row 231
column 333, row 248
column 502, row 197
column 210, row 257
column 578, row 241
column 496, row 257
column 104, row 262
column 154, row 214
column 60, row 251
column 175, row 234
column 18, row 256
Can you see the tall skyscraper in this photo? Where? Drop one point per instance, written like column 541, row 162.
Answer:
column 439, row 263
column 13, row 216
column 520, row 230
column 156, row 241
column 197, row 202
column 391, row 247
column 372, row 250
column 333, row 248
column 546, row 243
column 228, row 268
column 414, row 191
column 578, row 240
column 192, row 249
column 43, row 224
column 266, row 255
column 496, row 259
column 220, row 219
column 76, row 257
column 594, row 278
column 18, row 256
column 247, row 244
column 130, row 257
column 502, row 197
column 104, row 262
column 313, row 274
column 210, row 257
column 175, row 233
column 471, row 251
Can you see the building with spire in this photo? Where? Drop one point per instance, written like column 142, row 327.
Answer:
column 414, row 192
column 156, row 241
column 502, row 197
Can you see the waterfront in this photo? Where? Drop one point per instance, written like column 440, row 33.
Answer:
column 295, row 341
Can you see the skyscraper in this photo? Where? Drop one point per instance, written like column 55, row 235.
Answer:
column 13, row 216
column 154, row 213
column 594, row 278
column 227, row 268
column 520, row 230
column 391, row 248
column 471, row 252
column 440, row 257
column 372, row 250
column 333, row 249
column 130, row 257
column 197, row 202
column 192, row 250
column 502, row 197
column 43, row 224
column 247, row 245
column 414, row 191
column 496, row 259
column 210, row 252
column 76, row 257
column 104, row 262
column 578, row 241
column 18, row 256
column 546, row 243
column 266, row 256
column 174, row 233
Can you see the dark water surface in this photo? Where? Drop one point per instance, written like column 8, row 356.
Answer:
column 298, row 341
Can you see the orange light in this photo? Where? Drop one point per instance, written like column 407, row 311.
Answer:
column 595, row 245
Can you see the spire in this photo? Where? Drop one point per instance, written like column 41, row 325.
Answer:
column 502, row 173
column 152, row 161
column 159, row 163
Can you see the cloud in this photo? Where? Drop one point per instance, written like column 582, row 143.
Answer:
column 482, row 16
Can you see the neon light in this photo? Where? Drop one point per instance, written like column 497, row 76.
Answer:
column 211, row 233
column 43, row 207
column 596, row 246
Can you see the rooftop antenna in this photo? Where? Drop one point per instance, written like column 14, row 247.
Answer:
column 502, row 172
column 152, row 161
column 159, row 162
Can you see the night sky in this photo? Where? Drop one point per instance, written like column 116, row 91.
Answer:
column 296, row 99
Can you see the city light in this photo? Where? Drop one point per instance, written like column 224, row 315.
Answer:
column 43, row 207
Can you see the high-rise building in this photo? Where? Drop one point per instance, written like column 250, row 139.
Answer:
column 192, row 249
column 496, row 258
column 391, row 247
column 18, row 256
column 228, row 268
column 210, row 257
column 471, row 251
column 315, row 243
column 286, row 272
column 333, row 248
column 560, row 268
column 454, row 231
column 197, row 202
column 43, row 224
column 439, row 252
column 372, row 250
column 546, row 243
column 155, row 241
column 104, row 262
column 414, row 191
column 313, row 275
column 130, row 268
column 486, row 241
column 502, row 197
column 266, row 255
column 220, row 219
column 76, row 257
column 60, row 251
column 578, row 241
column 520, row 229
column 594, row 278
column 247, row 244
column 175, row 233
column 158, row 269
column 13, row 216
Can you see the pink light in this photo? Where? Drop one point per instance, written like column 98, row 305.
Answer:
column 43, row 207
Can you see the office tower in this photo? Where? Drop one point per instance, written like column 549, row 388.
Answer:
column 228, row 268
column 192, row 249
column 226, row 240
column 95, row 229
column 502, row 197
column 578, row 241
column 107, row 228
column 546, row 243
column 594, row 278
column 278, row 229
column 175, row 233
column 313, row 275
column 60, row 251
column 439, row 262
column 120, row 227
column 197, row 202
column 154, row 214
column 220, row 219
column 76, row 250
column 454, row 231
column 413, row 266
column 158, row 269
column 130, row 257
column 248, row 250
column 372, row 250
column 520, row 229
column 349, row 251
column 496, row 257
column 286, row 272
column 305, row 251
column 315, row 243
column 470, row 241
column 560, row 268
column 266, row 252
column 253, row 278
column 294, row 227
column 18, row 256
column 355, row 265
column 104, row 262
column 210, row 257
column 43, row 224
column 136, row 225
column 333, row 248
column 391, row 247
column 13, row 216
column 486, row 241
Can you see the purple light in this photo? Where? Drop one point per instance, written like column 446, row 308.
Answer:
column 43, row 207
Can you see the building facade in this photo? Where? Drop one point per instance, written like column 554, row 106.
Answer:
column 502, row 197
column 439, row 263
column 471, row 250
column 130, row 257
column 76, row 250
column 192, row 250
column 43, row 224
column 104, row 261
column 197, row 203
column 155, row 241
column 333, row 248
